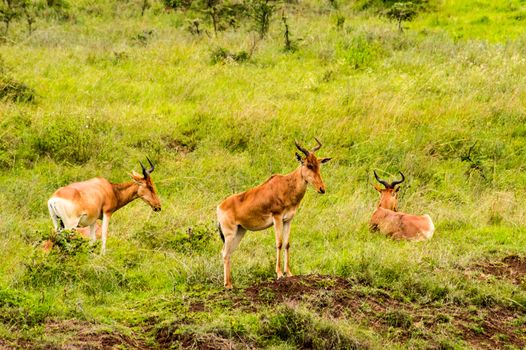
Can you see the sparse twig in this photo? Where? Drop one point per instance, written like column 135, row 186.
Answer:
column 288, row 43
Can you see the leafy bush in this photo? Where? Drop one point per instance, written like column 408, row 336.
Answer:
column 177, row 4
column 261, row 12
column 305, row 332
column 69, row 242
column 221, row 55
column 70, row 262
column 360, row 52
column 13, row 90
column 381, row 5
column 189, row 240
column 400, row 12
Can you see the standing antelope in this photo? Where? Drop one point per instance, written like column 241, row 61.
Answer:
column 82, row 203
column 390, row 222
column 272, row 203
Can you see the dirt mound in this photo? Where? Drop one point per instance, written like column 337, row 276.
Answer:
column 168, row 338
column 336, row 297
column 294, row 288
column 84, row 335
column 512, row 268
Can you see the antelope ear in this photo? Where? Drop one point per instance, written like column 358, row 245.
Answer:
column 298, row 157
column 377, row 187
column 324, row 160
column 136, row 177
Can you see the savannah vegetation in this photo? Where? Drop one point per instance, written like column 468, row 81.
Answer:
column 215, row 92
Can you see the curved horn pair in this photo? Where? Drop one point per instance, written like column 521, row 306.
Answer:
column 304, row 150
column 146, row 173
column 387, row 184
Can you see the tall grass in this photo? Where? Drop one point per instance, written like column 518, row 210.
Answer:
column 108, row 95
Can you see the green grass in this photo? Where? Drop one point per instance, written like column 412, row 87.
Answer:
column 106, row 95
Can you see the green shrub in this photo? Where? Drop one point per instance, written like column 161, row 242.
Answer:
column 13, row 90
column 402, row 12
column 381, row 5
column 177, row 4
column 71, row 264
column 360, row 52
column 189, row 240
column 305, row 332
column 69, row 243
column 222, row 55
column 10, row 298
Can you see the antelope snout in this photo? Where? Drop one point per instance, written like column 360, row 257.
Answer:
column 321, row 190
column 157, row 209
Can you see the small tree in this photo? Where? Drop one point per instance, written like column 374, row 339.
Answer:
column 30, row 10
column 261, row 11
column 212, row 11
column 334, row 4
column 10, row 10
column 145, row 5
column 402, row 11
column 289, row 45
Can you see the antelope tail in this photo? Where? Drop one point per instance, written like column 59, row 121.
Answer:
column 429, row 233
column 56, row 215
column 221, row 232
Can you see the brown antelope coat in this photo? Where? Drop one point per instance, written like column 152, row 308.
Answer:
column 273, row 203
column 80, row 204
column 394, row 224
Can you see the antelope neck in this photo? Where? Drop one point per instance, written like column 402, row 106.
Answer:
column 124, row 193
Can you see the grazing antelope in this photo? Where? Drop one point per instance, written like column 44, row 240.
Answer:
column 390, row 222
column 82, row 203
column 272, row 203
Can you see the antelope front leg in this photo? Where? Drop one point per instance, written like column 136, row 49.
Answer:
column 286, row 244
column 105, row 223
column 92, row 232
column 278, row 228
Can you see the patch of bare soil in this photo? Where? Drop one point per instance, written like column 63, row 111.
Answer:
column 79, row 336
column 512, row 268
column 178, row 146
column 335, row 297
column 167, row 338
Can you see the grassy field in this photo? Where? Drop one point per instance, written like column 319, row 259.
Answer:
column 444, row 102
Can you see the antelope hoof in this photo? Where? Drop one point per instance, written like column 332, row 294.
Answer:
column 228, row 286
column 280, row 275
column 289, row 274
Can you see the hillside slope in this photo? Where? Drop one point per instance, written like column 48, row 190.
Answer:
column 443, row 102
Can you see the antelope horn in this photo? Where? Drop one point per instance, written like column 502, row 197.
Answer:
column 394, row 183
column 301, row 148
column 316, row 147
column 152, row 167
column 386, row 185
column 144, row 171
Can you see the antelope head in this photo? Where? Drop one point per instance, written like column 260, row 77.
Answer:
column 310, row 166
column 147, row 191
column 388, row 194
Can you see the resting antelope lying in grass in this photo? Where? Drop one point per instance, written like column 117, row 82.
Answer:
column 82, row 203
column 390, row 222
column 272, row 203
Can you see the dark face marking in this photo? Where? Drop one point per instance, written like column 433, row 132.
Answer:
column 311, row 172
column 148, row 193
